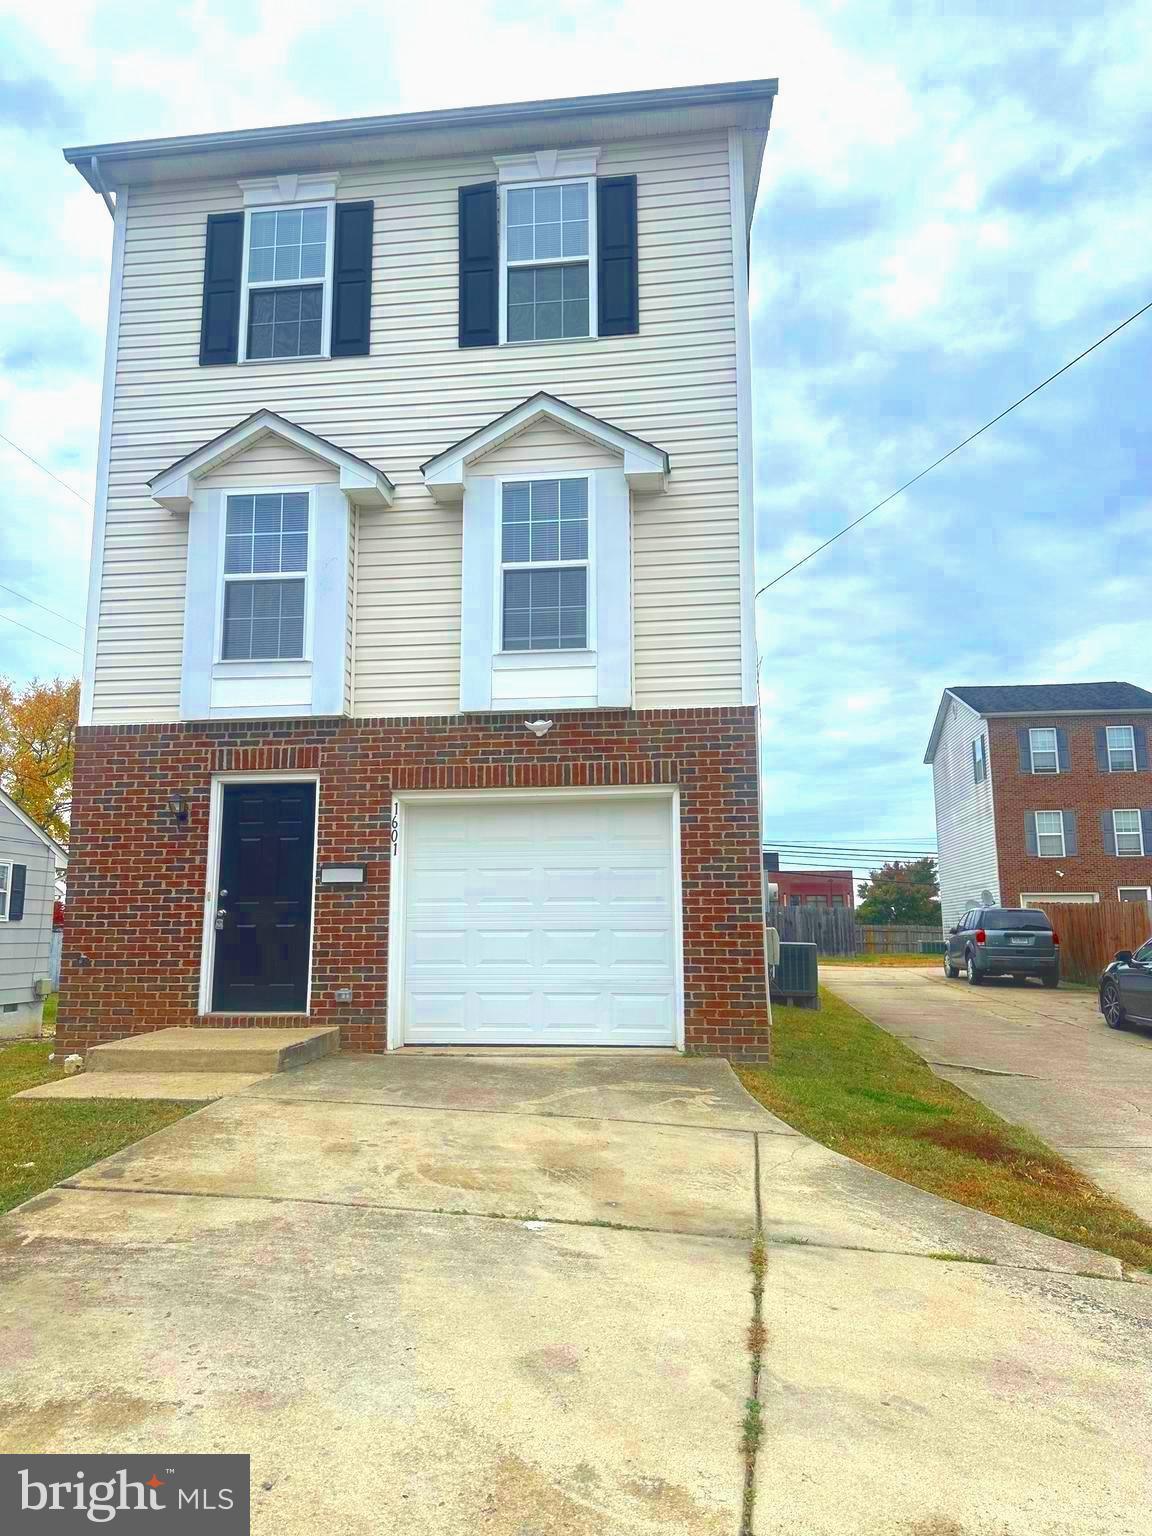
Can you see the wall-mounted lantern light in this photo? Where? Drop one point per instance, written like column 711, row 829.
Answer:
column 178, row 810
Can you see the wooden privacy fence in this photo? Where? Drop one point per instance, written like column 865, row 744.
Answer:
column 835, row 931
column 1090, row 934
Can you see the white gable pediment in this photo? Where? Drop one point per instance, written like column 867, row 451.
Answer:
column 361, row 482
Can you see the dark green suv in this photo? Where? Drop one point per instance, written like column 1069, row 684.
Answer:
column 1003, row 941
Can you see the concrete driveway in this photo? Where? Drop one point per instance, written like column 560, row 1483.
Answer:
column 1044, row 1059
column 510, row 1295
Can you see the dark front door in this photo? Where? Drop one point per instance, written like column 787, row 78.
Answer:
column 264, row 899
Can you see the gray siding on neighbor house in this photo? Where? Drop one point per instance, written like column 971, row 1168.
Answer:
column 965, row 822
column 25, row 946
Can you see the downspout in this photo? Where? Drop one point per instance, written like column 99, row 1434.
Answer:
column 102, row 187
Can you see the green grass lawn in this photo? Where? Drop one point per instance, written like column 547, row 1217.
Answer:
column 847, row 1083
column 42, row 1143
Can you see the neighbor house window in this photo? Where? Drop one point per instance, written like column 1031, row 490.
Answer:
column 1050, row 834
column 979, row 759
column 544, row 564
column 1129, row 835
column 5, row 887
column 288, row 274
column 265, row 576
column 837, row 901
column 1044, row 757
column 548, row 232
column 1135, row 893
column 1121, row 749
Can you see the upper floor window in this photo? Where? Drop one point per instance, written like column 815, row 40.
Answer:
column 1050, row 834
column 544, row 564
column 1121, row 749
column 548, row 232
column 287, row 282
column 1128, row 832
column 980, row 759
column 1044, row 754
column 5, row 887
column 265, row 576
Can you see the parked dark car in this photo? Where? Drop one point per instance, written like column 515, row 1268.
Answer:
column 1126, row 988
column 1003, row 941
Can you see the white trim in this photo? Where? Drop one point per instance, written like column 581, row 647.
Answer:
column 1078, row 897
column 6, row 888
column 294, row 282
column 1147, row 889
column 745, row 470
column 589, row 259
column 1131, row 747
column 1050, row 730
column 212, row 870
column 361, row 482
column 1139, row 832
column 276, row 664
column 645, row 468
column 587, row 652
column 272, row 191
column 396, row 909
column 103, row 457
column 547, row 165
column 7, row 801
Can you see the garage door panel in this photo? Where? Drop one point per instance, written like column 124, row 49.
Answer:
column 536, row 922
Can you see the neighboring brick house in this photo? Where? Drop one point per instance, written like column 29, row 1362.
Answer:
column 808, row 887
column 1043, row 794
column 419, row 686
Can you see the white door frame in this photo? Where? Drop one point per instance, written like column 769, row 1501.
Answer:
column 401, row 799
column 212, row 870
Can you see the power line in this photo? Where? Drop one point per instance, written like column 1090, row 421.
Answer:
column 56, row 614
column 51, row 639
column 25, row 454
column 848, row 527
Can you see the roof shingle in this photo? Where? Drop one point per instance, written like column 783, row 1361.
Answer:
column 1043, row 698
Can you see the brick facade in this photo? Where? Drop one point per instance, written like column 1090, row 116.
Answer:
column 1084, row 788
column 136, row 881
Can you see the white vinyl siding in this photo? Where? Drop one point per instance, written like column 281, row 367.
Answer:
column 418, row 392
column 270, row 461
column 965, row 821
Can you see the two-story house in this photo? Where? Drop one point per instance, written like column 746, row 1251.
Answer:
column 419, row 679
column 1043, row 794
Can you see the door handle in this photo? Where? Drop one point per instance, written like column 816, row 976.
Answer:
column 221, row 914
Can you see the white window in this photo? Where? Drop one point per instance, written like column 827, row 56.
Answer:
column 1128, row 832
column 1121, row 749
column 5, row 887
column 1044, row 755
column 548, row 285
column 1050, row 834
column 265, row 576
column 1134, row 893
column 287, row 282
column 979, row 759
column 544, row 553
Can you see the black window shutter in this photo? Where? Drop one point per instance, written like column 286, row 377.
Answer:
column 16, row 894
column 1071, row 843
column 220, row 312
column 1146, row 828
column 352, row 281
column 1102, row 748
column 1063, row 761
column 1031, row 842
column 1024, row 747
column 1140, row 737
column 1108, row 831
column 617, row 261
column 479, row 261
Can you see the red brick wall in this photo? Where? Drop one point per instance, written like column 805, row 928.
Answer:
column 136, row 882
column 1084, row 789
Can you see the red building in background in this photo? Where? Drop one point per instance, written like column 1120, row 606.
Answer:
column 808, row 887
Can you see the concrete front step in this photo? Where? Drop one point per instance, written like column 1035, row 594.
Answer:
column 252, row 1051
column 175, row 1087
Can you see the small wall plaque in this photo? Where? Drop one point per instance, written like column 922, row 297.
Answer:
column 343, row 874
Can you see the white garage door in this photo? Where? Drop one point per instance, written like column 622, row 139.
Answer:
column 539, row 922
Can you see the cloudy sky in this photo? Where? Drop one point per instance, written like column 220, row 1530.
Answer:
column 956, row 201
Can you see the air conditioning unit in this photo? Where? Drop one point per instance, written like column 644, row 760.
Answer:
column 796, row 979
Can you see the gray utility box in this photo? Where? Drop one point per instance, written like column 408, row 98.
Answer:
column 796, row 978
